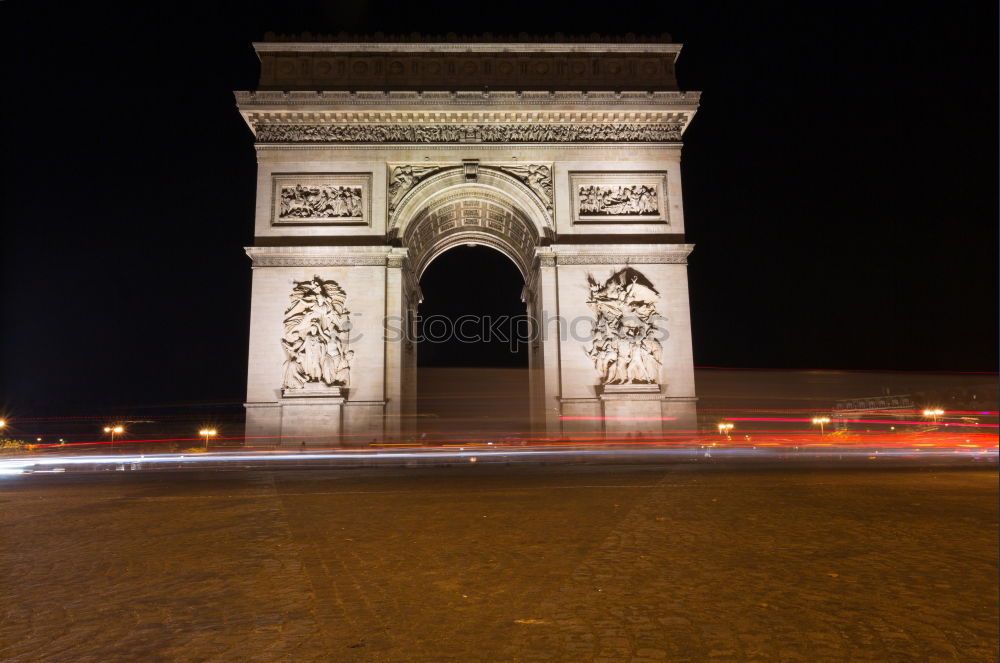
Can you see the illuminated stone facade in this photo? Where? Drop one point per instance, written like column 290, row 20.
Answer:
column 374, row 158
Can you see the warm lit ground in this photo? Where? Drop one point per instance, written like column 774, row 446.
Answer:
column 835, row 561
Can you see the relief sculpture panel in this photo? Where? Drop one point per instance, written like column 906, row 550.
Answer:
column 602, row 197
column 316, row 336
column 336, row 199
column 320, row 202
column 626, row 346
column 636, row 200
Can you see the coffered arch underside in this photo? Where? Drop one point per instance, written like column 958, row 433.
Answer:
column 489, row 181
column 471, row 215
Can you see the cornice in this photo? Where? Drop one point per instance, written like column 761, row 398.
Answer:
column 611, row 254
column 322, row 256
column 672, row 146
column 622, row 259
column 462, row 47
column 277, row 100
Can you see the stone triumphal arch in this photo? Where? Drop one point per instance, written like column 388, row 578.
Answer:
column 376, row 158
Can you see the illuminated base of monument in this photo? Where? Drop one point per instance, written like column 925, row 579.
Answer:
column 315, row 417
column 629, row 410
column 619, row 412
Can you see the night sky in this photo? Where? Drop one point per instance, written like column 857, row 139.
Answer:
column 839, row 182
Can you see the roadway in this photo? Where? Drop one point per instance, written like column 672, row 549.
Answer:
column 813, row 561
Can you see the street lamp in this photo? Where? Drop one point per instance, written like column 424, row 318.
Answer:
column 821, row 421
column 3, row 423
column 933, row 413
column 207, row 433
column 114, row 430
column 725, row 428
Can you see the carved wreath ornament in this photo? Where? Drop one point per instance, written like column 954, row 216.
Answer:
column 315, row 341
column 626, row 347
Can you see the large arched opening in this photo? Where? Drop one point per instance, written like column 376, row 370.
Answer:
column 471, row 249
column 472, row 366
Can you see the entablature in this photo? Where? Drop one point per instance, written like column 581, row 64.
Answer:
column 504, row 117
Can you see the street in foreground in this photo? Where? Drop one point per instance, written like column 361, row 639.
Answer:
column 684, row 562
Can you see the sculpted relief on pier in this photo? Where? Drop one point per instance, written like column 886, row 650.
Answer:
column 316, row 337
column 626, row 346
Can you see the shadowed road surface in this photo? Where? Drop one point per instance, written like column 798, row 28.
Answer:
column 685, row 562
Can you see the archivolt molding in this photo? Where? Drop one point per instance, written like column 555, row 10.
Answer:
column 470, row 216
column 451, row 183
column 482, row 237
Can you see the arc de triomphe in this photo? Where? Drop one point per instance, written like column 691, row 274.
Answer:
column 375, row 158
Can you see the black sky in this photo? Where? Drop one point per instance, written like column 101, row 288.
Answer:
column 840, row 183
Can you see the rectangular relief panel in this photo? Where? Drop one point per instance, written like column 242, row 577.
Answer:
column 321, row 199
column 619, row 197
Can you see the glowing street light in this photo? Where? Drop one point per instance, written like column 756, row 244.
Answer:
column 933, row 413
column 114, row 430
column 821, row 421
column 725, row 428
column 207, row 433
column 3, row 423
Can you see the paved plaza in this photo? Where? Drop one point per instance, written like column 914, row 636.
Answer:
column 683, row 562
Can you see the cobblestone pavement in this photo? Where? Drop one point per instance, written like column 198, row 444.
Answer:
column 562, row 563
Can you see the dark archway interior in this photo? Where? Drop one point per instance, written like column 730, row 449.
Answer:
column 465, row 383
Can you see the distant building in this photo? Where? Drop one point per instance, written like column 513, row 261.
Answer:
column 896, row 407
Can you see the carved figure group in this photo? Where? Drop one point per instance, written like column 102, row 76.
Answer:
column 315, row 340
column 618, row 201
column 626, row 348
column 456, row 133
column 404, row 178
column 320, row 202
column 537, row 177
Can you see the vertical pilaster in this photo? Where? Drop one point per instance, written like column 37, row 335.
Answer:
column 551, row 332
column 394, row 344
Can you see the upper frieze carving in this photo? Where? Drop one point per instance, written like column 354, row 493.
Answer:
column 471, row 133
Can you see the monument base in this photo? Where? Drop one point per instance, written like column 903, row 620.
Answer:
column 316, row 390
column 631, row 409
